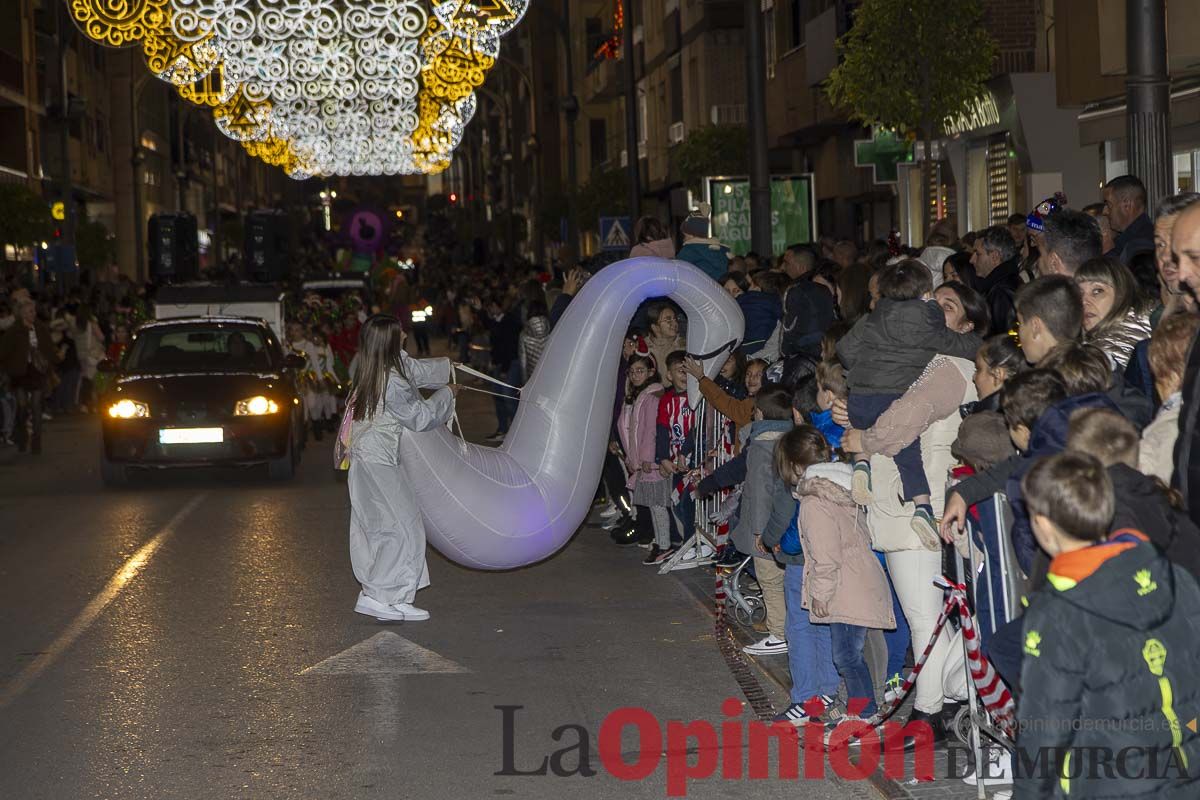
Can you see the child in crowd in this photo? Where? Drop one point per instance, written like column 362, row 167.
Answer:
column 840, row 584
column 998, row 360
column 1168, row 356
column 1049, row 311
column 664, row 337
column 672, row 450
column 1111, row 638
column 764, row 511
column 740, row 411
column 636, row 428
column 885, row 353
column 534, row 337
column 1143, row 502
column 831, row 387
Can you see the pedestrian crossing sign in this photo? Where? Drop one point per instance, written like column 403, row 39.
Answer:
column 614, row 233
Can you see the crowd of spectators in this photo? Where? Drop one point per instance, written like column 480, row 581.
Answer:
column 1040, row 364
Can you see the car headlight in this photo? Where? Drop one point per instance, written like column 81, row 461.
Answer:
column 128, row 409
column 255, row 407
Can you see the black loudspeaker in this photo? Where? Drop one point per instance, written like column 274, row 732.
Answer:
column 268, row 236
column 174, row 248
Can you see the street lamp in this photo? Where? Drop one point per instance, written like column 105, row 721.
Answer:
column 327, row 197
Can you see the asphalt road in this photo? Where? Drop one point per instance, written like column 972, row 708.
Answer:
column 193, row 637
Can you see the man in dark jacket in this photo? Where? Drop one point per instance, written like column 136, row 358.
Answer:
column 1125, row 207
column 997, row 263
column 503, row 321
column 1185, row 249
column 808, row 307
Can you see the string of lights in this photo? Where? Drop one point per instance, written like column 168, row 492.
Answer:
column 320, row 87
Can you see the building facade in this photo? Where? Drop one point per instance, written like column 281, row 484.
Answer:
column 89, row 126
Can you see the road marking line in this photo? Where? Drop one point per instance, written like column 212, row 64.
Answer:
column 385, row 653
column 91, row 612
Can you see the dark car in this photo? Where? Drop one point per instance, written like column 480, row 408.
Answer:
column 202, row 391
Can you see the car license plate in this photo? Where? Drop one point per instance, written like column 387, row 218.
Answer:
column 191, row 435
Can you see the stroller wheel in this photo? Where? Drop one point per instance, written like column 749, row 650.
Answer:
column 758, row 615
column 960, row 726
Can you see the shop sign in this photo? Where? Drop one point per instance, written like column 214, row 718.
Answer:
column 981, row 112
column 792, row 217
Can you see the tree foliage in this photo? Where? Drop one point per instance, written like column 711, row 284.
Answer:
column 95, row 247
column 24, row 216
column 606, row 194
column 712, row 151
column 910, row 64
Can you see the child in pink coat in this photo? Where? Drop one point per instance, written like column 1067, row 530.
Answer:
column 636, row 429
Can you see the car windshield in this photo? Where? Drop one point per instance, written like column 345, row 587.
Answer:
column 199, row 348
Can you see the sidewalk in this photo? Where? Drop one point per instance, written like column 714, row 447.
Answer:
column 771, row 676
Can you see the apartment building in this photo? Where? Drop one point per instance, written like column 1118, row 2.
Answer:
column 133, row 148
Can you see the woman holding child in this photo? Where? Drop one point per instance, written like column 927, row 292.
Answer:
column 927, row 414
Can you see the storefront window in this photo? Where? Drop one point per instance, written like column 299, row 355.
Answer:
column 1184, row 176
column 979, row 209
column 1000, row 179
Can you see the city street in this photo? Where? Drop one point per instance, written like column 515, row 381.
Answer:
column 193, row 637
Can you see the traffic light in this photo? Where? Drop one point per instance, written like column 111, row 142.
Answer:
column 453, row 198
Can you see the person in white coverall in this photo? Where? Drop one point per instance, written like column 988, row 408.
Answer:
column 387, row 534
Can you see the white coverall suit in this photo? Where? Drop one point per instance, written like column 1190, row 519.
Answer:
column 387, row 534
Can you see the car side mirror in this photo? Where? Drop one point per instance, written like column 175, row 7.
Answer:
column 106, row 365
column 295, row 361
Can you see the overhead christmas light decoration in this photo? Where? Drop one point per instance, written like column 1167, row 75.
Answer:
column 320, row 87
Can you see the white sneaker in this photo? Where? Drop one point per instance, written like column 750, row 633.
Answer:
column 610, row 512
column 381, row 611
column 768, row 646
column 411, row 613
column 396, row 612
column 997, row 770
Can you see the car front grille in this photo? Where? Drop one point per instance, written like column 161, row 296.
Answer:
column 187, row 412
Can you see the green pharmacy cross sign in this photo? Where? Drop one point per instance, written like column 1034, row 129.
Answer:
column 882, row 152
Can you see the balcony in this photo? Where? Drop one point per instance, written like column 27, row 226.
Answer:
column 605, row 79
column 728, row 114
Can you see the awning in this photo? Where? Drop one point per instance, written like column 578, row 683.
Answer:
column 1106, row 120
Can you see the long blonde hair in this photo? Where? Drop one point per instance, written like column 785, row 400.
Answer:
column 380, row 345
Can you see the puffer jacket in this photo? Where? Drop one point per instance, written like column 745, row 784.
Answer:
column 709, row 255
column 1119, row 339
column 808, row 311
column 762, row 312
column 660, row 248
column 839, row 567
column 887, row 350
column 763, row 489
column 1112, row 649
column 533, row 341
column 1048, row 437
column 1143, row 505
column 637, row 427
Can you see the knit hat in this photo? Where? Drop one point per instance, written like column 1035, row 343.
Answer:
column 983, row 440
column 1051, row 205
column 697, row 224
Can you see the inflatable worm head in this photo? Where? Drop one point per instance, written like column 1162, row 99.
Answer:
column 503, row 508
